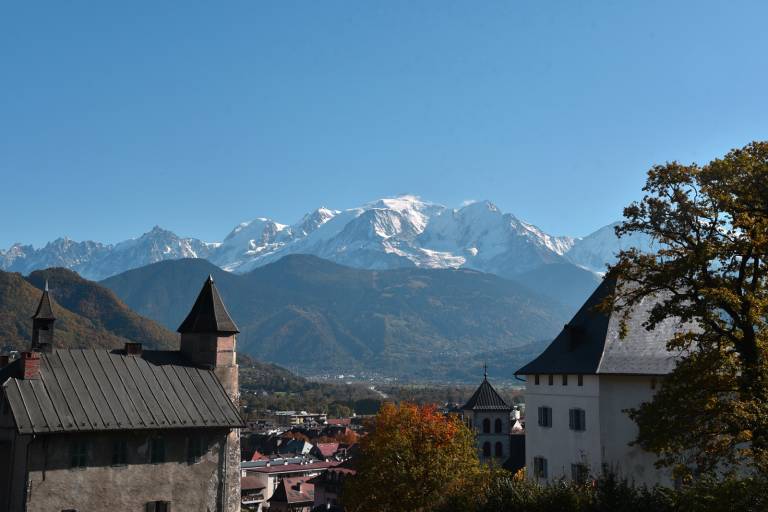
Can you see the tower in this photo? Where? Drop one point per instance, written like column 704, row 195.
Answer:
column 42, row 324
column 489, row 416
column 208, row 340
column 208, row 337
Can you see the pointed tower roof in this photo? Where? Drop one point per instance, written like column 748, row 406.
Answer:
column 208, row 314
column 486, row 399
column 44, row 310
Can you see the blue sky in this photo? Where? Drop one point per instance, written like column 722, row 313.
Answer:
column 116, row 116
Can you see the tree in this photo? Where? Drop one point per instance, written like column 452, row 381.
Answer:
column 709, row 226
column 413, row 459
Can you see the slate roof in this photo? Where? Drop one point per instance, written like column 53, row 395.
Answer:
column 590, row 342
column 486, row 399
column 89, row 390
column 209, row 314
column 44, row 310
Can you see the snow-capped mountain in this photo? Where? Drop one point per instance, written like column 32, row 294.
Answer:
column 96, row 261
column 598, row 249
column 403, row 231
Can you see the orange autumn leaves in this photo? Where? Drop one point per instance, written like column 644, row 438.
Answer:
column 414, row 459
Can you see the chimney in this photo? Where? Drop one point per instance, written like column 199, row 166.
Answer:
column 4, row 360
column 133, row 349
column 30, row 365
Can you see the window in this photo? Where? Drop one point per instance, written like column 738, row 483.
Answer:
column 545, row 416
column 653, row 383
column 550, row 379
column 536, row 379
column 565, row 380
column 540, row 467
column 577, row 419
column 499, row 450
column 580, row 380
column 486, row 426
column 497, row 426
column 78, row 454
column 486, row 449
column 579, row 473
column 119, row 452
column 157, row 451
column 194, row 449
column 159, row 506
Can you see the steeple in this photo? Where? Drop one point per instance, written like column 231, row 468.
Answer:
column 208, row 337
column 209, row 314
column 42, row 323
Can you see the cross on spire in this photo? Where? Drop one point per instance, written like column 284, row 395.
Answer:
column 485, row 370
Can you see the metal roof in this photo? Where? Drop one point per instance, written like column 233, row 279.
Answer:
column 486, row 398
column 209, row 314
column 591, row 343
column 94, row 390
column 44, row 310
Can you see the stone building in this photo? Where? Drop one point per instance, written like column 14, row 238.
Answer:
column 123, row 430
column 578, row 390
column 489, row 416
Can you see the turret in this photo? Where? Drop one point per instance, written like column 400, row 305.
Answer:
column 42, row 324
column 208, row 337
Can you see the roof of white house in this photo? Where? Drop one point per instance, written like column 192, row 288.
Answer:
column 591, row 344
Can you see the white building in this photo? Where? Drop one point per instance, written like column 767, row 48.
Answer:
column 578, row 389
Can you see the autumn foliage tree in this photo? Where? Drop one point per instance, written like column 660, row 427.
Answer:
column 414, row 459
column 709, row 225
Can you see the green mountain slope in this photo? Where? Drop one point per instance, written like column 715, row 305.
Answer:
column 88, row 315
column 306, row 312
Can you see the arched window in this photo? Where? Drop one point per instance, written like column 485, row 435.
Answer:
column 486, row 426
column 497, row 426
column 499, row 450
column 486, row 449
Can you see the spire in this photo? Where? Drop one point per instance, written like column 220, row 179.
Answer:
column 44, row 310
column 486, row 398
column 208, row 314
column 485, row 371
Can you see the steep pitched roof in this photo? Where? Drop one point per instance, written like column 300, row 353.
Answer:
column 44, row 310
column 486, row 399
column 208, row 314
column 294, row 491
column 94, row 390
column 591, row 343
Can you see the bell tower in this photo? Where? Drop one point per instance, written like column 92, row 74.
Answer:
column 42, row 324
column 208, row 340
column 208, row 337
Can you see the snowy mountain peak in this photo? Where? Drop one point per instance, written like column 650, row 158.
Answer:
column 391, row 232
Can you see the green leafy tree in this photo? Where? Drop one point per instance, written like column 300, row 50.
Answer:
column 414, row 459
column 710, row 228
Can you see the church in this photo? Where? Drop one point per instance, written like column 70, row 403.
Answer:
column 139, row 430
column 489, row 416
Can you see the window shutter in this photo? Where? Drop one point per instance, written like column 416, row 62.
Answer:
column 541, row 416
column 152, row 506
column 583, row 419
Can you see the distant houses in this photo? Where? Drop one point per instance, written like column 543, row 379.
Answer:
column 132, row 429
column 578, row 390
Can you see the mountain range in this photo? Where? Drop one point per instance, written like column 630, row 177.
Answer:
column 399, row 232
column 306, row 312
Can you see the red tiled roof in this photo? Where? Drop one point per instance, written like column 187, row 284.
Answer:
column 250, row 483
column 257, row 455
column 338, row 421
column 294, row 490
column 327, row 449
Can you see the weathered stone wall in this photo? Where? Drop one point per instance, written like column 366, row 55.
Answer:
column 53, row 485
